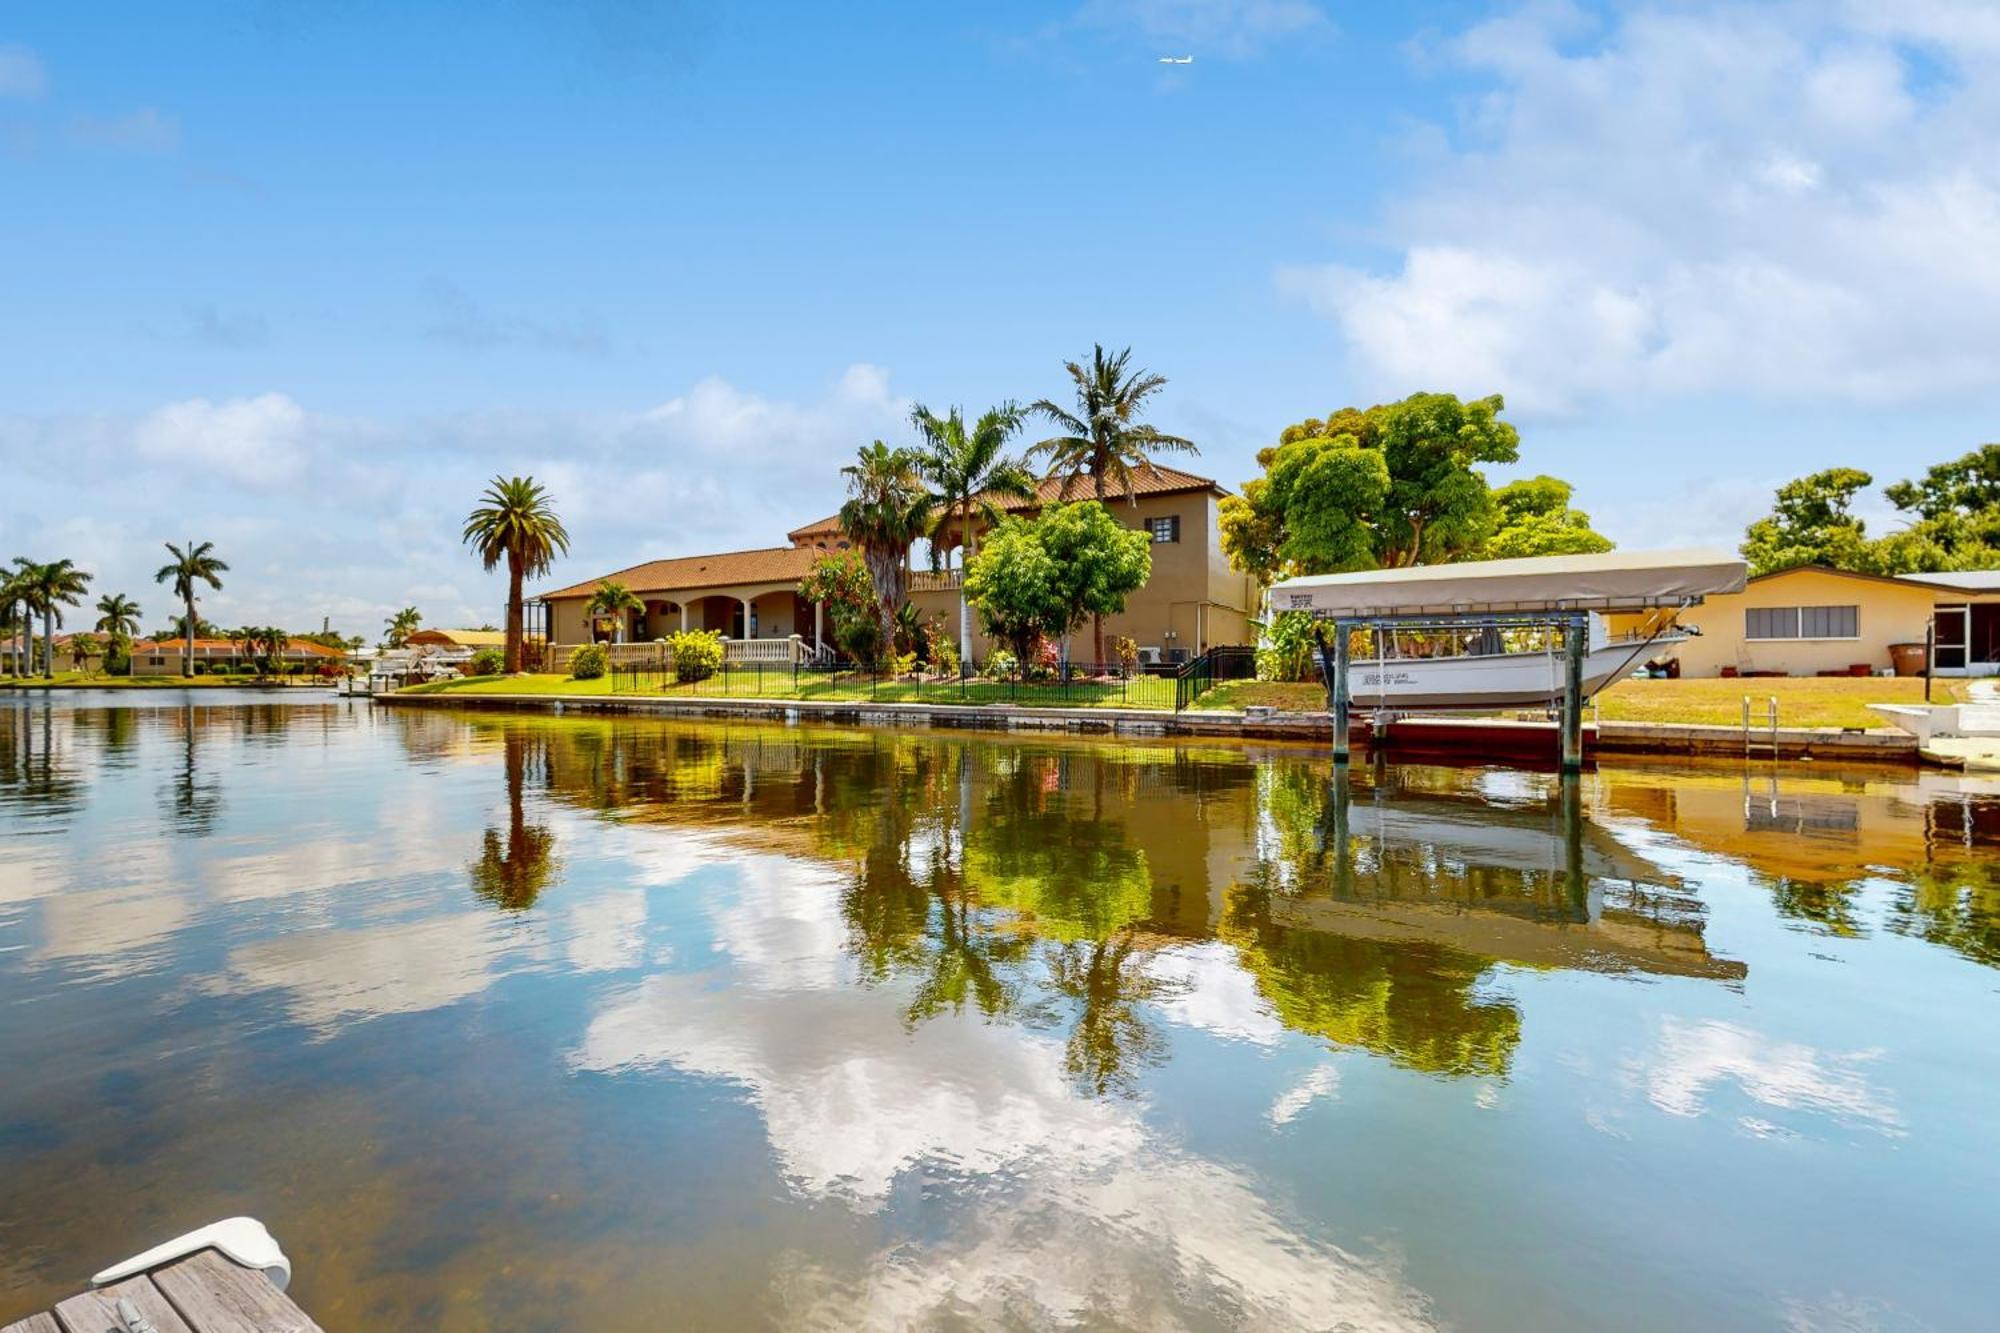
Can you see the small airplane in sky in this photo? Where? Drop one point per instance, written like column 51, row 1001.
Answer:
column 1176, row 60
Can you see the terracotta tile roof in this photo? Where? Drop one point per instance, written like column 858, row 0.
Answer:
column 301, row 646
column 771, row 564
column 1156, row 480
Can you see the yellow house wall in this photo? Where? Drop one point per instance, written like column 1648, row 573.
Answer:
column 1886, row 613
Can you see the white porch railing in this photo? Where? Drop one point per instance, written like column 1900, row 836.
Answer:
column 658, row 655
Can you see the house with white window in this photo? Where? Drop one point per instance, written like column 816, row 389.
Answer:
column 1811, row 621
column 1192, row 602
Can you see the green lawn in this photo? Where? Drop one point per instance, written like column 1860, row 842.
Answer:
column 1142, row 692
column 1802, row 702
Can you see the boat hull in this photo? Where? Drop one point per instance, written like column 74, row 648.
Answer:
column 1509, row 680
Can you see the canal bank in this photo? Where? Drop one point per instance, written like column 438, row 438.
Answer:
column 1445, row 738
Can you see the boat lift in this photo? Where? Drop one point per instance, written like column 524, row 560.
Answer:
column 1558, row 595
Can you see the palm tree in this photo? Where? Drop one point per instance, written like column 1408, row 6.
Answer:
column 14, row 617
column 402, row 625
column 47, row 589
column 887, row 509
column 971, row 474
column 516, row 522
column 611, row 601
column 82, row 648
column 117, row 615
column 191, row 564
column 1104, row 438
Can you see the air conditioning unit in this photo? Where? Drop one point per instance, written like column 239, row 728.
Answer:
column 1149, row 657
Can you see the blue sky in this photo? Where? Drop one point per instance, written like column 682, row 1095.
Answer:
column 297, row 279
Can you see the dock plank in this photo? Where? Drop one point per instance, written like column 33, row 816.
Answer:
column 34, row 1323
column 97, row 1311
column 218, row 1296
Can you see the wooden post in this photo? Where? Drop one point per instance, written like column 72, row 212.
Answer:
column 1574, row 635
column 1930, row 652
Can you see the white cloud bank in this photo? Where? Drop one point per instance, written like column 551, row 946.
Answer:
column 1792, row 201
column 321, row 515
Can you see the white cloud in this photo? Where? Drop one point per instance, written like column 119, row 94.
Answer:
column 147, row 130
column 354, row 518
column 1693, row 199
column 21, row 72
column 258, row 442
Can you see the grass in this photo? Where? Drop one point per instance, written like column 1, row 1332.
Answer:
column 73, row 680
column 1802, row 701
column 1154, row 692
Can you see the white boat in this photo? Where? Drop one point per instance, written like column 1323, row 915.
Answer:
column 1529, row 678
column 1488, row 633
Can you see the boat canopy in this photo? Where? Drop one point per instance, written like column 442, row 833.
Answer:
column 1619, row 581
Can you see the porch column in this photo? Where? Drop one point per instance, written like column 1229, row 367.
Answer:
column 746, row 618
column 684, row 617
column 819, row 644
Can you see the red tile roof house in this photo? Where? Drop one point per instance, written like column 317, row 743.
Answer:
column 163, row 657
column 1193, row 601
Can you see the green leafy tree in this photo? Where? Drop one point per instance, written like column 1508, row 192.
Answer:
column 839, row 581
column 1957, row 518
column 887, row 509
column 972, row 474
column 1099, row 562
column 402, row 625
column 192, row 564
column 45, row 590
column 1968, row 484
column 516, row 522
column 1012, row 582
column 84, row 649
column 1536, row 519
column 1103, row 438
column 1396, row 485
column 613, row 602
column 1811, row 523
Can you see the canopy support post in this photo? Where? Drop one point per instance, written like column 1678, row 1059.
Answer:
column 1575, row 631
column 1342, row 696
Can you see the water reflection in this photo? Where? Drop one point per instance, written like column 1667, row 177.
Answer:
column 858, row 1028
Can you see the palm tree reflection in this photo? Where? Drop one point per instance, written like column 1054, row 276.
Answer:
column 516, row 866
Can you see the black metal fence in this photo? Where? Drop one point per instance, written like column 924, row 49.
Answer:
column 1079, row 684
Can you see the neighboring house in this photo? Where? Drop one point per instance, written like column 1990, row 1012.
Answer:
column 1193, row 601
column 1812, row 620
column 164, row 657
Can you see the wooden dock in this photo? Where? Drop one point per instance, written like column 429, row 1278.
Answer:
column 203, row 1293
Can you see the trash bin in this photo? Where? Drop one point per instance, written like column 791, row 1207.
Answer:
column 1908, row 658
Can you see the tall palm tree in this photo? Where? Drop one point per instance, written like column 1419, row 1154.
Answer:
column 971, row 474
column 47, row 589
column 191, row 564
column 516, row 522
column 1104, row 438
column 117, row 615
column 402, row 625
column 14, row 617
column 887, row 510
column 612, row 601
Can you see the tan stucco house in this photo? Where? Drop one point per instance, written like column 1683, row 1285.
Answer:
column 166, row 657
column 1812, row 620
column 1193, row 601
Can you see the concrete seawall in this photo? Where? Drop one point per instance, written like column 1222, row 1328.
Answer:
column 1443, row 738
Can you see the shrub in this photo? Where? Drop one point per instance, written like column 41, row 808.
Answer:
column 589, row 662
column 1285, row 651
column 1127, row 649
column 697, row 654
column 487, row 662
column 201, row 668
column 902, row 664
column 944, row 656
column 999, row 662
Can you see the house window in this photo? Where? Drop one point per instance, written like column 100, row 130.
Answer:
column 1164, row 530
column 1802, row 622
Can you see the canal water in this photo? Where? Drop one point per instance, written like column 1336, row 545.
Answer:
column 525, row 1023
